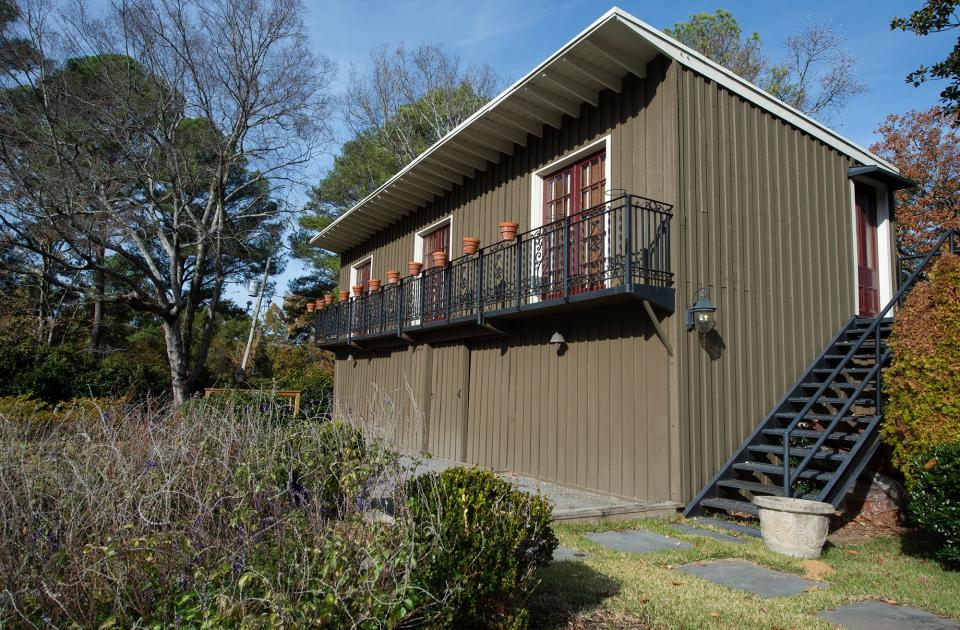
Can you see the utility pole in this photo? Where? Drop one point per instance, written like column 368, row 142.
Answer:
column 253, row 323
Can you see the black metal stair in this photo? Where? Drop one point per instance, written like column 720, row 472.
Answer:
column 818, row 438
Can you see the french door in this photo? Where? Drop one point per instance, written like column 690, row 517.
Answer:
column 432, row 282
column 868, row 276
column 571, row 192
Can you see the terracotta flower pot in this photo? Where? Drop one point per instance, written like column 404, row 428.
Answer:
column 393, row 276
column 373, row 284
column 328, row 298
column 508, row 230
column 440, row 258
column 310, row 307
column 343, row 295
column 414, row 267
column 470, row 245
column 357, row 290
column 319, row 304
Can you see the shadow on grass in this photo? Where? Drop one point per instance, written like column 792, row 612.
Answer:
column 920, row 545
column 567, row 590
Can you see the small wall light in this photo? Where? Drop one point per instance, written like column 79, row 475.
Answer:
column 703, row 314
column 351, row 360
column 558, row 340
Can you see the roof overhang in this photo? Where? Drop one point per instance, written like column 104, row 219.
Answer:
column 892, row 179
column 595, row 60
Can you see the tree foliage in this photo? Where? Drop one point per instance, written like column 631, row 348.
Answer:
column 152, row 174
column 924, row 146
column 937, row 16
column 817, row 76
column 922, row 383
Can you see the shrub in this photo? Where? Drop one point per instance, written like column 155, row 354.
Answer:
column 482, row 540
column 204, row 516
column 935, row 498
column 922, row 383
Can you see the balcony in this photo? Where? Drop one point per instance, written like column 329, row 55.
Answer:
column 612, row 253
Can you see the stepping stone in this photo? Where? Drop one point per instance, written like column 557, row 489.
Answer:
column 707, row 533
column 877, row 615
column 733, row 527
column 747, row 576
column 637, row 541
column 568, row 554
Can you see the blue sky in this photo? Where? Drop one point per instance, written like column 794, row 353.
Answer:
column 513, row 37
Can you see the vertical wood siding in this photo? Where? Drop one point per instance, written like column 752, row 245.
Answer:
column 763, row 222
column 594, row 416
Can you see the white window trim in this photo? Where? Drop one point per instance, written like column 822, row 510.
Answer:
column 536, row 193
column 885, row 270
column 418, row 254
column 356, row 266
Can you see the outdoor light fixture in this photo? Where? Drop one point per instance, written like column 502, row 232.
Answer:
column 351, row 360
column 702, row 315
column 558, row 341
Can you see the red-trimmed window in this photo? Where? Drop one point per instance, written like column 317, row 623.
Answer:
column 361, row 276
column 568, row 192
column 436, row 241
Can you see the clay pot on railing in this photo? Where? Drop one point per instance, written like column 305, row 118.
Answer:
column 373, row 284
column 508, row 230
column 357, row 290
column 328, row 298
column 440, row 258
column 470, row 245
column 393, row 276
column 320, row 304
column 343, row 295
column 310, row 307
column 414, row 267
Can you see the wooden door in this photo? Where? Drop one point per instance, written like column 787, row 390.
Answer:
column 362, row 276
column 436, row 241
column 574, row 191
column 868, row 276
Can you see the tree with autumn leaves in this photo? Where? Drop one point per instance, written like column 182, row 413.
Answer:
column 925, row 146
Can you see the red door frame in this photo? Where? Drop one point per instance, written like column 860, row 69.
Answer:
column 868, row 261
column 564, row 194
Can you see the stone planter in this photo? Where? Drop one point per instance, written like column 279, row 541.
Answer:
column 794, row 527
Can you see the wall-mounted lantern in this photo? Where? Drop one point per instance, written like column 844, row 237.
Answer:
column 558, row 340
column 703, row 314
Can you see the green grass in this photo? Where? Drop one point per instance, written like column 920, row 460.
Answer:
column 619, row 590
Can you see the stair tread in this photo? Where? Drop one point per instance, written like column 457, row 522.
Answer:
column 824, row 400
column 775, row 469
column 753, row 486
column 797, row 451
column 815, row 417
column 805, row 433
column 837, row 384
column 842, row 371
column 731, row 506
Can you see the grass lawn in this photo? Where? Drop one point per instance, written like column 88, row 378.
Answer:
column 610, row 589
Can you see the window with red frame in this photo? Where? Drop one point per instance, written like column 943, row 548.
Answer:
column 568, row 192
column 438, row 240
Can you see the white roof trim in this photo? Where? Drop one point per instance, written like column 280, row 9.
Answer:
column 670, row 48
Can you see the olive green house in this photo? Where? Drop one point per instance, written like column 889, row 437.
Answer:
column 533, row 293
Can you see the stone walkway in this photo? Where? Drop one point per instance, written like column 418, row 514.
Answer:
column 761, row 581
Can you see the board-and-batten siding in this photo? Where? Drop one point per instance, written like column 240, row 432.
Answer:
column 594, row 416
column 641, row 121
column 765, row 224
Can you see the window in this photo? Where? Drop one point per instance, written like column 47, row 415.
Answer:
column 360, row 274
column 437, row 240
column 570, row 192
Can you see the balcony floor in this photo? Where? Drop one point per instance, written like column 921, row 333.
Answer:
column 498, row 322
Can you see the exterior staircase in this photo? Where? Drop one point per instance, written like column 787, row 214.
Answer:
column 820, row 436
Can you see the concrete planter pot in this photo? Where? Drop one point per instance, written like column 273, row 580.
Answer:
column 794, row 527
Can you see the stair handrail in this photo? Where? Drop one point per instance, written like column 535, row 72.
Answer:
column 874, row 327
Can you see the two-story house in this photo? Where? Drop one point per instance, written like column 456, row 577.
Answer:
column 619, row 191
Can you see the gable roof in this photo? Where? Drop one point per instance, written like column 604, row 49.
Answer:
column 597, row 59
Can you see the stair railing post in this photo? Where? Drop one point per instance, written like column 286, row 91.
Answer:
column 786, row 464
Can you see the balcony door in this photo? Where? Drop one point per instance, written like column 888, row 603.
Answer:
column 361, row 276
column 868, row 267
column 438, row 240
column 575, row 191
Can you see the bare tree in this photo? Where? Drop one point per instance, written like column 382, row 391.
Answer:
column 818, row 76
column 412, row 98
column 153, row 150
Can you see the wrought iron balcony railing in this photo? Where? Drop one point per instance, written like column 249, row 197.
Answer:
column 618, row 247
